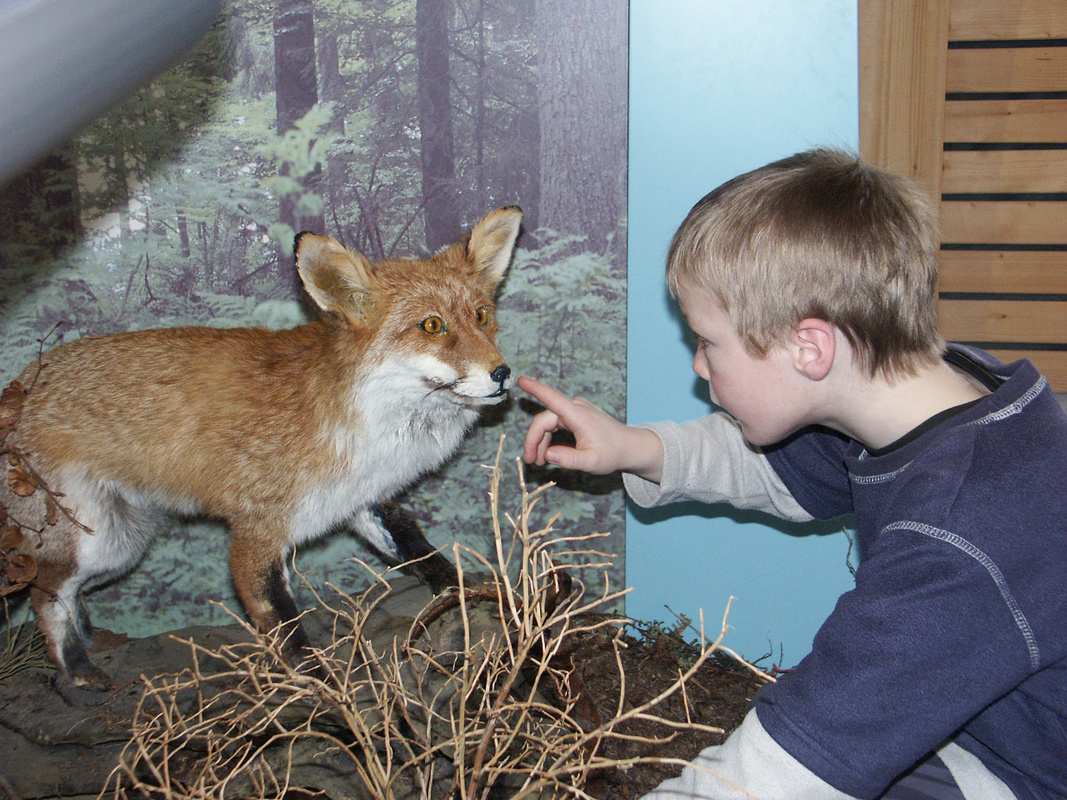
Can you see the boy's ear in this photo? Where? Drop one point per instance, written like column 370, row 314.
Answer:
column 815, row 346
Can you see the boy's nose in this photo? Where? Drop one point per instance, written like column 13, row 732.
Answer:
column 698, row 367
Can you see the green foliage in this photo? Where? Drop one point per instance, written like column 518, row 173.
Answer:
column 179, row 191
column 564, row 316
column 295, row 155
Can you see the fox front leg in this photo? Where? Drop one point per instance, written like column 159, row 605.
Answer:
column 396, row 538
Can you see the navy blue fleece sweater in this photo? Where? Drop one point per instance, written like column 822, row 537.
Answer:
column 957, row 627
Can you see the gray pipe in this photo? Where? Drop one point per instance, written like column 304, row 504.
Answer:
column 64, row 62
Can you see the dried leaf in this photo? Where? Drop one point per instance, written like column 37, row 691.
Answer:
column 21, row 482
column 10, row 538
column 9, row 415
column 16, row 387
column 11, row 398
column 10, row 408
column 21, row 570
column 51, row 515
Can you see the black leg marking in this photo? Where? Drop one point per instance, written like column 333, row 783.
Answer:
column 295, row 643
column 432, row 568
column 77, row 666
column 82, row 624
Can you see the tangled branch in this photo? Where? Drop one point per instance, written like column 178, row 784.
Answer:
column 479, row 700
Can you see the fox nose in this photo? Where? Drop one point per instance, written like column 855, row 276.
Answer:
column 501, row 374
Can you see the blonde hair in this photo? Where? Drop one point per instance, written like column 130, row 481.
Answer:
column 819, row 235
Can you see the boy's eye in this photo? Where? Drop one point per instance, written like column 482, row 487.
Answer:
column 482, row 315
column 433, row 325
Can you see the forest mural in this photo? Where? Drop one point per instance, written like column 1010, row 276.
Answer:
column 391, row 125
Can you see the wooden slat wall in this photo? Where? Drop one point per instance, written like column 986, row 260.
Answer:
column 997, row 82
column 1004, row 181
column 902, row 78
column 1002, row 272
column 1007, row 120
column 1017, row 171
column 990, row 20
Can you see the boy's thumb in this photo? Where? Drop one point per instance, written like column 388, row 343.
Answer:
column 560, row 456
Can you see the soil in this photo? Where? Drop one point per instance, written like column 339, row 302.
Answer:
column 63, row 743
column 718, row 696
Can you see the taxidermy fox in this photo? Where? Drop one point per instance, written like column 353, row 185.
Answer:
column 283, row 435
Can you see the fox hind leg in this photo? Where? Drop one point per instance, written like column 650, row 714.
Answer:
column 67, row 632
column 71, row 561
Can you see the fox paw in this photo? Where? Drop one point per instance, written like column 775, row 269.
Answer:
column 90, row 678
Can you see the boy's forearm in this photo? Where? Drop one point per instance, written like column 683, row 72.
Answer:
column 708, row 460
column 642, row 454
column 749, row 764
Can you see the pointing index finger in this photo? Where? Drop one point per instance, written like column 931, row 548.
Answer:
column 546, row 395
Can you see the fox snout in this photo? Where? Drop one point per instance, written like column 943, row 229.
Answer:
column 502, row 377
column 475, row 389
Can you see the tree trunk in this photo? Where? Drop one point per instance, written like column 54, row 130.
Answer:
column 435, row 122
column 332, row 90
column 481, row 78
column 296, row 87
column 582, row 91
column 183, row 235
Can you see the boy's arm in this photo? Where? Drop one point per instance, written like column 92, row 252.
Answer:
column 751, row 764
column 602, row 444
column 748, row 764
column 708, row 460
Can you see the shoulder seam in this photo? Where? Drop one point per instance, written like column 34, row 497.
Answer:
column 1014, row 407
column 990, row 567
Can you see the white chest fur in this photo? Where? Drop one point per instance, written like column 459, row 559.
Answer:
column 403, row 429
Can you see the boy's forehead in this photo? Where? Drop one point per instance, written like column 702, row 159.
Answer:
column 693, row 299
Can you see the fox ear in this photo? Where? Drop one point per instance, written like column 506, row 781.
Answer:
column 339, row 280
column 492, row 242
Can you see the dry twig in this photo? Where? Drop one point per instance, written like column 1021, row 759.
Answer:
column 503, row 716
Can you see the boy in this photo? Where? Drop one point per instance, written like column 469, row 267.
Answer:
column 810, row 287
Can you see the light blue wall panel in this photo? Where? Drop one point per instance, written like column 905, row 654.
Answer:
column 718, row 87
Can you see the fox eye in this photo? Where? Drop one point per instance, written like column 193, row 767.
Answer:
column 482, row 315
column 432, row 324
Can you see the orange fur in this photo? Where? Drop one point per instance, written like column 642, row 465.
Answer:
column 284, row 435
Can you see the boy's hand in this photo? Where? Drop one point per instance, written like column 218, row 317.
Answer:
column 602, row 443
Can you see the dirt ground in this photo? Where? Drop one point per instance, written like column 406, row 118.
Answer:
column 64, row 744
column 718, row 694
